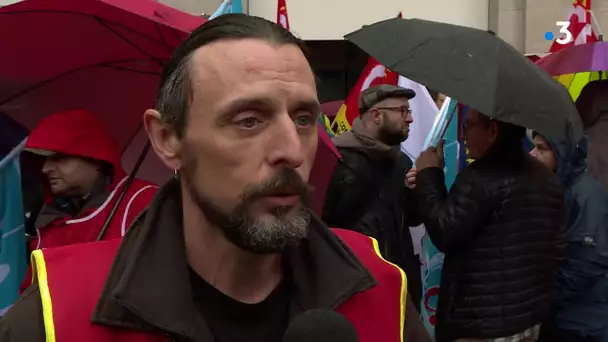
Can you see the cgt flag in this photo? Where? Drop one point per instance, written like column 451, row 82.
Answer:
column 580, row 27
column 13, row 263
column 373, row 74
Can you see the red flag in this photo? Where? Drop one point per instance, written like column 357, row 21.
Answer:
column 580, row 26
column 282, row 18
column 373, row 74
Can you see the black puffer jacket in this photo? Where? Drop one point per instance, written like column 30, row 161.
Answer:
column 502, row 229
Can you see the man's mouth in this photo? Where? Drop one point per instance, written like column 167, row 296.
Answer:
column 283, row 200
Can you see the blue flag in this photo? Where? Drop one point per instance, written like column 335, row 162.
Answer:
column 13, row 263
column 228, row 6
column 431, row 257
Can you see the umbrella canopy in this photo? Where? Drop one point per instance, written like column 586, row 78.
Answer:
column 578, row 65
column 474, row 67
column 104, row 56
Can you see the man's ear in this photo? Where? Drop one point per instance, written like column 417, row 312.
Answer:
column 375, row 115
column 165, row 142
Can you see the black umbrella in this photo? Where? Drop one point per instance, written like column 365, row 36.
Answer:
column 474, row 67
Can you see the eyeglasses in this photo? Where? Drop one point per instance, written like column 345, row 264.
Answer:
column 467, row 125
column 403, row 110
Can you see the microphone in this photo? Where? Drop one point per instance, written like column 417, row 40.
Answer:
column 320, row 325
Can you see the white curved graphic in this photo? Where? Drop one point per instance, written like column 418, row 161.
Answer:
column 283, row 20
column 379, row 71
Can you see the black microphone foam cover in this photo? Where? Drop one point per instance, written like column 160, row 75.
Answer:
column 320, row 325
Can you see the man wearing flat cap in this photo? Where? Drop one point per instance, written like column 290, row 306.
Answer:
column 368, row 192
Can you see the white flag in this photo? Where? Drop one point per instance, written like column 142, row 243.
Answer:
column 424, row 111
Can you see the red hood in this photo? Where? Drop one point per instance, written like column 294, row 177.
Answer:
column 78, row 133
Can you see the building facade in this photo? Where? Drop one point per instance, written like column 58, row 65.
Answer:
column 522, row 23
column 323, row 23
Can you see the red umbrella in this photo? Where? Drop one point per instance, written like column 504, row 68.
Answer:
column 104, row 56
column 579, row 58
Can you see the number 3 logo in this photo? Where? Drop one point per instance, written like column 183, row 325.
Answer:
column 566, row 37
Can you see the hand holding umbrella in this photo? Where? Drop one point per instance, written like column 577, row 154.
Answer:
column 431, row 157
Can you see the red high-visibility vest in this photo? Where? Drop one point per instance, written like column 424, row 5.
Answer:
column 71, row 280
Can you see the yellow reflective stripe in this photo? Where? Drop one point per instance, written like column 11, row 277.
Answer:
column 403, row 288
column 39, row 273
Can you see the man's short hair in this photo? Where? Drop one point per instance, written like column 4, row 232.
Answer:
column 372, row 95
column 509, row 133
column 174, row 93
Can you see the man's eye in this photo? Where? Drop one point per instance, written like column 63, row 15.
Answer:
column 249, row 122
column 304, row 120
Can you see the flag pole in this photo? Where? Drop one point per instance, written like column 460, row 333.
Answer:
column 598, row 28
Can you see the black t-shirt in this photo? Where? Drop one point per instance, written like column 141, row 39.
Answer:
column 232, row 321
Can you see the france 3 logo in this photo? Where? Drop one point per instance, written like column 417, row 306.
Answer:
column 565, row 36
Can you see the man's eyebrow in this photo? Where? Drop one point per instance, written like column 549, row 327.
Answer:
column 263, row 104
column 308, row 104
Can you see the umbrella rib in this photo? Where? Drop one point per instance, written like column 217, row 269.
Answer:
column 162, row 36
column 56, row 77
column 176, row 34
column 413, row 50
column 88, row 15
column 126, row 40
column 132, row 137
column 129, row 69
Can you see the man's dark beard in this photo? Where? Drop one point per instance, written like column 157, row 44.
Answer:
column 391, row 136
column 254, row 235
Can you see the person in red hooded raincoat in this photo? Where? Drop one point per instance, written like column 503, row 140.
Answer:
column 83, row 178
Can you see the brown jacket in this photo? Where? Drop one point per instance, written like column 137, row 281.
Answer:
column 334, row 264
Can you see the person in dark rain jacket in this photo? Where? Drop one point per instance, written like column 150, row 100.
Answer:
column 592, row 106
column 581, row 302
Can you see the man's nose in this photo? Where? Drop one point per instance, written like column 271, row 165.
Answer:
column 48, row 166
column 286, row 148
column 534, row 153
column 409, row 118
